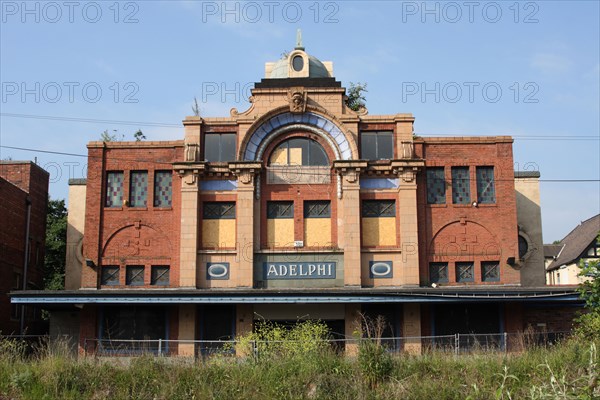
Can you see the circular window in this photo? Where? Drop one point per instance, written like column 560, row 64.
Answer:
column 523, row 247
column 298, row 63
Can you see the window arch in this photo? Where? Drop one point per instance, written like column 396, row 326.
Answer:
column 299, row 151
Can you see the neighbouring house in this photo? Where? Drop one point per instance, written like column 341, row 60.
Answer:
column 301, row 208
column 23, row 208
column 564, row 258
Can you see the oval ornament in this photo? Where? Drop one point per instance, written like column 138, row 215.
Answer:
column 218, row 270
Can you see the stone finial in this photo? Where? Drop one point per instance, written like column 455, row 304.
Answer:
column 299, row 44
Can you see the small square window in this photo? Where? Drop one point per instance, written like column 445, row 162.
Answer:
column 135, row 275
column 438, row 272
column 110, row 275
column 114, row 189
column 280, row 209
column 218, row 210
column 138, row 189
column 490, row 271
column 378, row 208
column 464, row 272
column 317, row 209
column 17, row 281
column 160, row 275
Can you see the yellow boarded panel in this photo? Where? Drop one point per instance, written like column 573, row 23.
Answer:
column 379, row 231
column 280, row 232
column 279, row 157
column 317, row 232
column 218, row 233
column 295, row 156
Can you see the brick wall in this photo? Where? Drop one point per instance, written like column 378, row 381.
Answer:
column 126, row 235
column 461, row 232
column 21, row 183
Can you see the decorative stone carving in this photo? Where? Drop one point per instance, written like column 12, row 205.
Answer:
column 192, row 152
column 297, row 99
column 245, row 171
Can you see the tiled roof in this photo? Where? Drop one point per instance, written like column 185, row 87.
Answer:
column 576, row 242
column 552, row 250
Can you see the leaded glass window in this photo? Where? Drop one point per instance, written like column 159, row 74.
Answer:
column 159, row 275
column 163, row 189
column 280, row 209
column 219, row 210
column 134, row 275
column 317, row 209
column 461, row 185
column 436, row 186
column 138, row 189
column 438, row 272
column 114, row 189
column 464, row 272
column 490, row 271
column 378, row 208
column 486, row 192
column 110, row 275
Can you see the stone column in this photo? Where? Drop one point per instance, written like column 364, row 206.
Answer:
column 188, row 250
column 349, row 172
column 244, row 319
column 411, row 327
column 246, row 173
column 409, row 233
column 187, row 329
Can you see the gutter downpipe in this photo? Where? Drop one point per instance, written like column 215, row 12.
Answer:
column 25, row 262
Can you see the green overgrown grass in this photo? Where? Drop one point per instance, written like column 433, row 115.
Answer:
column 566, row 371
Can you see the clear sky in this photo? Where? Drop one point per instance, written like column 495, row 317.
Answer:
column 526, row 69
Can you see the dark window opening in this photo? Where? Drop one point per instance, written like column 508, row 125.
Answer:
column 378, row 208
column 299, row 151
column 131, row 328
column 464, row 272
column 134, row 275
column 438, row 272
column 317, row 209
column 523, row 247
column 110, row 275
column 280, row 209
column 377, row 145
column 219, row 147
column 218, row 210
column 160, row 275
column 490, row 271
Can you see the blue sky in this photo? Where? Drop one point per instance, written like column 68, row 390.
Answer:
column 526, row 69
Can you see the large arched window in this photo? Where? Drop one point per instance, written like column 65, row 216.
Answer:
column 299, row 151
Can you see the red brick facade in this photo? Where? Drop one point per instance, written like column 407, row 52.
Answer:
column 21, row 184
